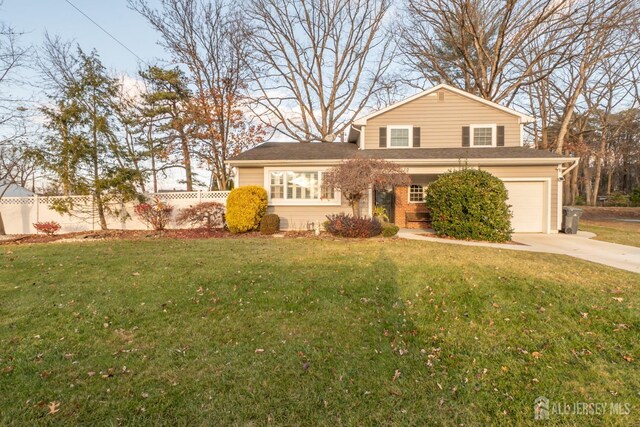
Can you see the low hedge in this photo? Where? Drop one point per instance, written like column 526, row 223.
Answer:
column 470, row 204
column 270, row 224
column 389, row 230
column 245, row 208
column 346, row 225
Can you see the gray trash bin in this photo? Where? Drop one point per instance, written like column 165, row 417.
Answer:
column 570, row 218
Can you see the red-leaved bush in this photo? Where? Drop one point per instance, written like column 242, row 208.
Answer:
column 156, row 214
column 49, row 227
column 346, row 225
column 209, row 215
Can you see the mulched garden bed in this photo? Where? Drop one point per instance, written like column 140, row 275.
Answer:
column 187, row 233
column 191, row 233
column 427, row 234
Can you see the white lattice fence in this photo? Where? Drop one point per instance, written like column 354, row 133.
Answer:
column 20, row 213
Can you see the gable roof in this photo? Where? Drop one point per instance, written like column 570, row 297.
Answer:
column 523, row 117
column 10, row 189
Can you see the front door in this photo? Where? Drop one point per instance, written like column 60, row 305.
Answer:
column 387, row 199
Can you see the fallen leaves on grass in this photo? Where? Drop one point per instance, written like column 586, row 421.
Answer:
column 259, row 350
column 53, row 407
column 396, row 375
column 628, row 358
column 536, row 354
column 7, row 369
column 621, row 327
column 108, row 373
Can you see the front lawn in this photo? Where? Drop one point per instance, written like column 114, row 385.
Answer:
column 608, row 224
column 614, row 231
column 311, row 332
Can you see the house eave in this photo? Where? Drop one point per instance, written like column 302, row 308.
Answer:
column 418, row 162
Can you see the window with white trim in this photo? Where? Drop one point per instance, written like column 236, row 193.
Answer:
column 483, row 135
column 277, row 185
column 416, row 193
column 399, row 136
column 298, row 185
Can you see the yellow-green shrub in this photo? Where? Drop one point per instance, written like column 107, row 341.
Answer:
column 245, row 208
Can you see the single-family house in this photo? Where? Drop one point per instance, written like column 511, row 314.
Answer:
column 432, row 132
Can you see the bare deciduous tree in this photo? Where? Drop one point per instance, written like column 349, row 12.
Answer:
column 317, row 63
column 354, row 178
column 607, row 26
column 210, row 40
column 12, row 56
column 479, row 46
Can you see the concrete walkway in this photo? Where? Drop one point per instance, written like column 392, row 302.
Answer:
column 579, row 246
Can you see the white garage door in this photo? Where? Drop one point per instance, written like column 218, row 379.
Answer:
column 528, row 205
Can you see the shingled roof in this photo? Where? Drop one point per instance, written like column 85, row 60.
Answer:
column 273, row 151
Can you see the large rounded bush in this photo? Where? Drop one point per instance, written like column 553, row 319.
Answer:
column 470, row 204
column 245, row 208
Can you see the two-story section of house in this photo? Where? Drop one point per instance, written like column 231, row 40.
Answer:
column 430, row 133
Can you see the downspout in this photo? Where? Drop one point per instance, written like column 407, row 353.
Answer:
column 564, row 172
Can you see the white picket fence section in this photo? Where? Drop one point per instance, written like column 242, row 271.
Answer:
column 20, row 213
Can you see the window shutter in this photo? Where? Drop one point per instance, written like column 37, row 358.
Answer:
column 416, row 137
column 465, row 136
column 500, row 136
column 383, row 137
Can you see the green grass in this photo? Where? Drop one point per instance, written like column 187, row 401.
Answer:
column 170, row 328
column 624, row 233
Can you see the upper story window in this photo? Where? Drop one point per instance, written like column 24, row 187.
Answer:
column 399, row 136
column 483, row 135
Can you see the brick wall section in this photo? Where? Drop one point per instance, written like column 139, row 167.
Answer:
column 403, row 206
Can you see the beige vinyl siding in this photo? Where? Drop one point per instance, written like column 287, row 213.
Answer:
column 525, row 172
column 441, row 122
column 250, row 176
column 294, row 217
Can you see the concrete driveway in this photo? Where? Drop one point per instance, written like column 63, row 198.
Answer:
column 582, row 246
column 579, row 246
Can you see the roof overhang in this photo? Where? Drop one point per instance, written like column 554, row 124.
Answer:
column 418, row 162
column 523, row 117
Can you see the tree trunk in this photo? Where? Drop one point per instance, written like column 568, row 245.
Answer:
column 154, row 173
column 100, row 208
column 587, row 183
column 355, row 207
column 2, row 230
column 599, row 160
column 571, row 105
column 574, row 184
column 96, row 176
column 184, row 145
